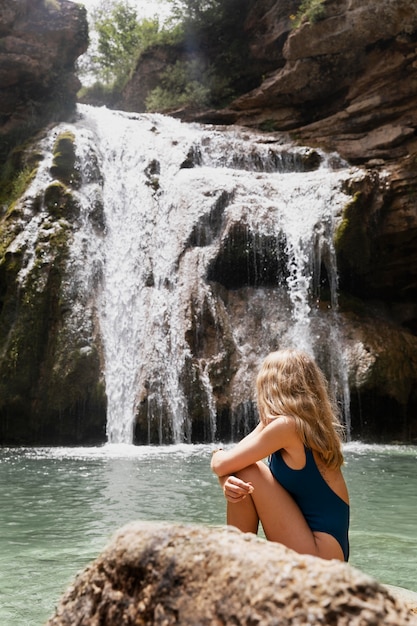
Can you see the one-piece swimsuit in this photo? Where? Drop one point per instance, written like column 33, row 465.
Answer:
column 322, row 508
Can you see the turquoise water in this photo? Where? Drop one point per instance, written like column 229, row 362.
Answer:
column 60, row 507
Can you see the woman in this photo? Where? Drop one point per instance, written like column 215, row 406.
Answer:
column 301, row 499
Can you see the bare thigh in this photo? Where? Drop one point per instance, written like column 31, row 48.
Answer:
column 282, row 519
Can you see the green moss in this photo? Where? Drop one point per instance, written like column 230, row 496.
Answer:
column 59, row 200
column 351, row 240
column 154, row 183
column 49, row 382
column 15, row 178
column 309, row 11
column 64, row 158
column 52, row 4
column 11, row 191
column 30, row 313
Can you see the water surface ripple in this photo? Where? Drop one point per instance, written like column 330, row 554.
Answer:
column 60, row 506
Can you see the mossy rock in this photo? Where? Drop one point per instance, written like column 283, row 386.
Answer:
column 64, row 160
column 17, row 173
column 51, row 387
column 351, row 239
column 59, row 201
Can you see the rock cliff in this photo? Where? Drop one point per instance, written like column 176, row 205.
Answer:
column 40, row 41
column 348, row 82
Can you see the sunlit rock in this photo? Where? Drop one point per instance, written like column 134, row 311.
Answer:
column 173, row 574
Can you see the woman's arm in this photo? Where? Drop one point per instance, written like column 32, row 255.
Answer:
column 260, row 443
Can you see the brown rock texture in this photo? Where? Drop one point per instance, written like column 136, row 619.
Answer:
column 40, row 42
column 348, row 81
column 345, row 83
column 171, row 574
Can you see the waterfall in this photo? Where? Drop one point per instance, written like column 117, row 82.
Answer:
column 174, row 196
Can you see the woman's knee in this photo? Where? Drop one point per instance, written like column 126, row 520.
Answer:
column 251, row 472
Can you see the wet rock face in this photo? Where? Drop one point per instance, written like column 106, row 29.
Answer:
column 51, row 386
column 173, row 574
column 40, row 41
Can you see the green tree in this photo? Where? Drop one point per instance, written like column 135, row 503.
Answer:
column 209, row 61
column 181, row 84
column 197, row 11
column 217, row 49
column 120, row 40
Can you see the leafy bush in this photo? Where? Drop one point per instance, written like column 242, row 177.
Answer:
column 180, row 85
column 186, row 83
column 217, row 50
column 310, row 11
column 197, row 12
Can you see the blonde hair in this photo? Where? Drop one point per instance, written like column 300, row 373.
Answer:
column 290, row 383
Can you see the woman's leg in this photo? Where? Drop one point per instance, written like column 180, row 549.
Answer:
column 243, row 515
column 280, row 516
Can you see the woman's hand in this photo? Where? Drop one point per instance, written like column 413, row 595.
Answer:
column 235, row 489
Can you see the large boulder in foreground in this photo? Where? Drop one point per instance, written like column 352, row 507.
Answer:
column 173, row 574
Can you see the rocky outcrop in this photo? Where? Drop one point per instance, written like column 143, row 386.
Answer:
column 40, row 42
column 50, row 373
column 153, row 64
column 346, row 81
column 349, row 83
column 51, row 386
column 172, row 574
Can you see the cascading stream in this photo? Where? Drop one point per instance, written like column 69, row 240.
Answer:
column 162, row 184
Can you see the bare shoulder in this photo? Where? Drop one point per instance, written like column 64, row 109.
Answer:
column 283, row 427
column 283, row 423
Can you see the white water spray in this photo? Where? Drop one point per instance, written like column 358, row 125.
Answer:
column 159, row 181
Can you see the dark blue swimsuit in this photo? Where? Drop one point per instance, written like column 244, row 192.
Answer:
column 322, row 508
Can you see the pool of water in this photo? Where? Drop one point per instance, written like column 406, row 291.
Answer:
column 60, row 506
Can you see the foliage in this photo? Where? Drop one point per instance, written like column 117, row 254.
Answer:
column 310, row 10
column 97, row 93
column 118, row 38
column 208, row 66
column 187, row 83
column 216, row 53
column 197, row 12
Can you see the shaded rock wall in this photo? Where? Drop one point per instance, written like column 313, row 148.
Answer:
column 172, row 574
column 50, row 372
column 40, row 41
column 349, row 83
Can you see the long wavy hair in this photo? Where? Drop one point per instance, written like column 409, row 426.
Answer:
column 290, row 383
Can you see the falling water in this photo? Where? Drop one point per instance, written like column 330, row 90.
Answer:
column 159, row 181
